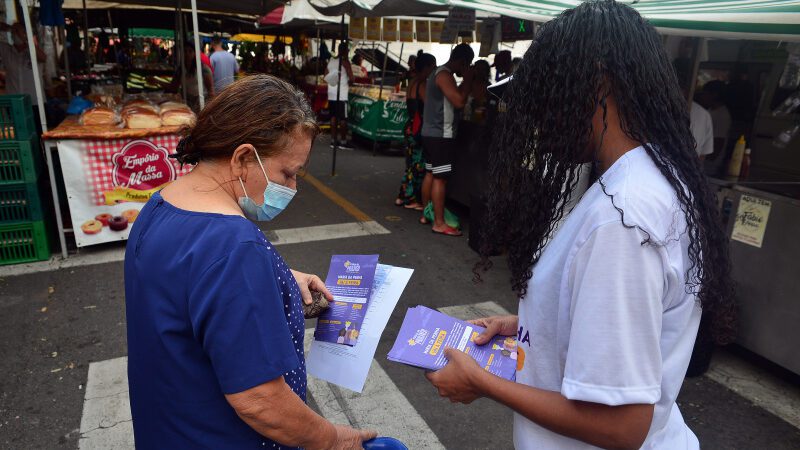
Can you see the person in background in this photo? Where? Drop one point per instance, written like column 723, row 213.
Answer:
column 214, row 315
column 337, row 96
column 610, row 298
column 223, row 64
column 475, row 108
column 410, row 196
column 206, row 61
column 192, row 92
column 713, row 99
column 16, row 62
column 502, row 65
column 359, row 71
column 439, row 127
column 702, row 130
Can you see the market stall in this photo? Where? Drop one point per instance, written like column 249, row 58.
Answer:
column 376, row 115
column 111, row 169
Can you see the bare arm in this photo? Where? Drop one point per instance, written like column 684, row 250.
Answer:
column 457, row 95
column 616, row 427
column 208, row 81
column 275, row 411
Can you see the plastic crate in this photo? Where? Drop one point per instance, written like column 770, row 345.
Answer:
column 20, row 203
column 24, row 242
column 16, row 117
column 20, row 161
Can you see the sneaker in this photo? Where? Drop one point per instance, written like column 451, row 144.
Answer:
column 346, row 145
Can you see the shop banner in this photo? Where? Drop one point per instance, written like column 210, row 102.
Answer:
column 423, row 30
column 357, row 28
column 390, row 30
column 373, row 28
column 109, row 180
column 377, row 120
column 406, row 30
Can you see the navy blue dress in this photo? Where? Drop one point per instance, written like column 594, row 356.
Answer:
column 212, row 309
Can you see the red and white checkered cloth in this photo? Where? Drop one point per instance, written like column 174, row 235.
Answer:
column 99, row 166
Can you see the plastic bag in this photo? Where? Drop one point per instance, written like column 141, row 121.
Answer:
column 449, row 218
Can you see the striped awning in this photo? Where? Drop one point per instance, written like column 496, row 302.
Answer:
column 755, row 19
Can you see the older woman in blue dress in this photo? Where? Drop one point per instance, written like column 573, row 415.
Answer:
column 215, row 319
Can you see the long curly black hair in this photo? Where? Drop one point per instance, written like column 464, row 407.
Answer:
column 597, row 50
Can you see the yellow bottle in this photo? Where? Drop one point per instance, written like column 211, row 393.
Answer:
column 735, row 164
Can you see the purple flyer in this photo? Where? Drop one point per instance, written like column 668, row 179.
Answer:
column 425, row 333
column 350, row 280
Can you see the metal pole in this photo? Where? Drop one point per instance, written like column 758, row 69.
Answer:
column 380, row 98
column 88, row 49
column 338, row 99
column 37, row 83
column 62, row 33
column 179, row 43
column 197, row 55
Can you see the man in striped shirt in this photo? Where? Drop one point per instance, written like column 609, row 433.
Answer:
column 443, row 97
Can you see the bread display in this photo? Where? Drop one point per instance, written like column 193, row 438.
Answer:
column 99, row 115
column 141, row 118
column 178, row 117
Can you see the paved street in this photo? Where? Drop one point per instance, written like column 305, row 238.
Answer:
column 62, row 334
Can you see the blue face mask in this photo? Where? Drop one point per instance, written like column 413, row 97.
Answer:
column 276, row 199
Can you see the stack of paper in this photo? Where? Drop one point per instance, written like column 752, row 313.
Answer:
column 425, row 334
column 348, row 366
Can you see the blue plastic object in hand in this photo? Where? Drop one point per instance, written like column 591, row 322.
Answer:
column 384, row 443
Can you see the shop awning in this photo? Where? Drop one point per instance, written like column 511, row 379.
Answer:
column 754, row 19
column 152, row 33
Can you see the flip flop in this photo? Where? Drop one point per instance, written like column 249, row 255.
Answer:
column 398, row 202
column 415, row 206
column 449, row 231
column 424, row 221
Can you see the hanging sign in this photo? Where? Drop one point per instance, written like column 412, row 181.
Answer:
column 751, row 220
column 406, row 30
column 357, row 28
column 390, row 30
column 373, row 28
column 436, row 31
column 516, row 29
column 423, row 30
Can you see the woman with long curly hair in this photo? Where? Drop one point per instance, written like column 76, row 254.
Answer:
column 611, row 289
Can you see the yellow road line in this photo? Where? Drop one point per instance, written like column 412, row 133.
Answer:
column 350, row 208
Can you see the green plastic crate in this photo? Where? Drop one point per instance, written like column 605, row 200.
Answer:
column 16, row 117
column 24, row 242
column 20, row 203
column 20, row 161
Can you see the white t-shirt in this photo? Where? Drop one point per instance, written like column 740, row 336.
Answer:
column 607, row 319
column 344, row 82
column 702, row 129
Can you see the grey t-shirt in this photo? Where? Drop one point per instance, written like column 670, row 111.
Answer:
column 225, row 67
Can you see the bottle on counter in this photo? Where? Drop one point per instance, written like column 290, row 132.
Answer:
column 744, row 172
column 735, row 164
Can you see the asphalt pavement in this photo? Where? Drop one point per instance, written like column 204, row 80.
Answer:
column 55, row 323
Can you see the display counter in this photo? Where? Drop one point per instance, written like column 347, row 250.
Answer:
column 109, row 174
column 764, row 245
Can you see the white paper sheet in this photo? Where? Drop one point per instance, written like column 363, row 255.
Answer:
column 347, row 366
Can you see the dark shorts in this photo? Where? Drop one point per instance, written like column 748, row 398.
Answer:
column 439, row 155
column 338, row 109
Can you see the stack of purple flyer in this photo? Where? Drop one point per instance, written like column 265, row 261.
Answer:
column 425, row 334
column 350, row 280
